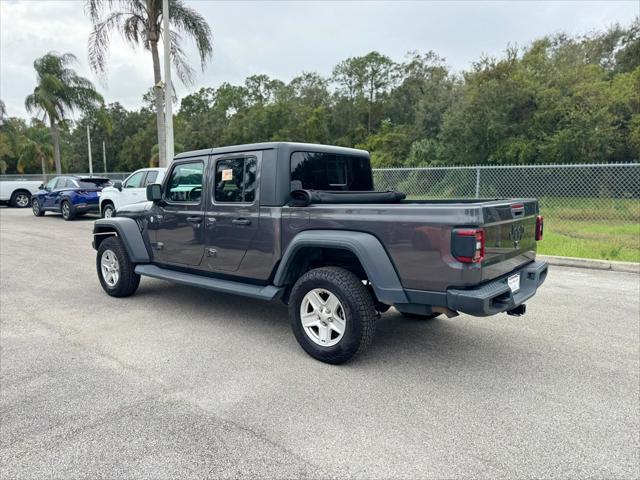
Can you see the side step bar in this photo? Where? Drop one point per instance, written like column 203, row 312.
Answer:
column 261, row 292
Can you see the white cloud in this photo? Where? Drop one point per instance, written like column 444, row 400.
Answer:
column 283, row 39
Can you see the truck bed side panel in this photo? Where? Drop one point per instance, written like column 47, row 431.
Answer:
column 418, row 237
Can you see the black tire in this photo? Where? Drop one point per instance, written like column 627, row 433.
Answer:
column 20, row 199
column 108, row 207
column 128, row 280
column 358, row 308
column 418, row 316
column 67, row 210
column 36, row 208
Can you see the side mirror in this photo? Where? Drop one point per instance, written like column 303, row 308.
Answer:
column 41, row 187
column 154, row 192
column 118, row 184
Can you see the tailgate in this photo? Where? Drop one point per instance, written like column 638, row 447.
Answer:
column 510, row 236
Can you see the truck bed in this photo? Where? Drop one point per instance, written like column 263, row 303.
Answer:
column 417, row 234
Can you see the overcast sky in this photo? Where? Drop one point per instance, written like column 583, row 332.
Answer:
column 282, row 39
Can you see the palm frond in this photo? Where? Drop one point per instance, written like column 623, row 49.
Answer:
column 189, row 21
column 100, row 38
column 183, row 70
column 60, row 89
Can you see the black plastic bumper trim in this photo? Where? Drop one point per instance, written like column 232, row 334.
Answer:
column 496, row 296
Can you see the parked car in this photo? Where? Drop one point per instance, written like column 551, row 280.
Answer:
column 71, row 196
column 336, row 252
column 131, row 190
column 17, row 193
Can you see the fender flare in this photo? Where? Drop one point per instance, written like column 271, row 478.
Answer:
column 129, row 232
column 367, row 248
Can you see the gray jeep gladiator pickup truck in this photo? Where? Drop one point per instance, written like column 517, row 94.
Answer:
column 301, row 223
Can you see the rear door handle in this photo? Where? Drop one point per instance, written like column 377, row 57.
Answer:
column 241, row 221
column 194, row 219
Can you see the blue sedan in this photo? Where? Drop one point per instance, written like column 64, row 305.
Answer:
column 70, row 196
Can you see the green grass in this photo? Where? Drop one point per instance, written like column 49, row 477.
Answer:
column 574, row 238
column 606, row 229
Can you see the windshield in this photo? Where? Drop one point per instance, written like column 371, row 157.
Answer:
column 329, row 171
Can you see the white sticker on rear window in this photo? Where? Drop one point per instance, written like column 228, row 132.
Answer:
column 227, row 175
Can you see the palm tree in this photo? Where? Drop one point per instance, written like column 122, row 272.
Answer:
column 139, row 22
column 59, row 91
column 35, row 150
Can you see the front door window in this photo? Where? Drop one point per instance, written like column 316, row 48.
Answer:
column 134, row 181
column 185, row 183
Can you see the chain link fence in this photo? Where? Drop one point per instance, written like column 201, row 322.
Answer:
column 602, row 193
column 38, row 177
column 607, row 193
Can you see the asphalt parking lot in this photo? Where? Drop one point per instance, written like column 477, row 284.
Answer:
column 180, row 382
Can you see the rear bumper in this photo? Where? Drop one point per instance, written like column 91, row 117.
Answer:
column 496, row 296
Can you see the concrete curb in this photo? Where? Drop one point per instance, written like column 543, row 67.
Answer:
column 629, row 267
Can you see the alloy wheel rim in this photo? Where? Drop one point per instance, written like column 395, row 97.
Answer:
column 110, row 268
column 22, row 200
column 65, row 210
column 108, row 212
column 36, row 207
column 322, row 317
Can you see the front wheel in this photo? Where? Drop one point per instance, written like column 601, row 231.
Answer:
column 37, row 208
column 108, row 211
column 332, row 314
column 116, row 272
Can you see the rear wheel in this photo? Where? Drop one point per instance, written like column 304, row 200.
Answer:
column 116, row 272
column 332, row 314
column 37, row 208
column 67, row 210
column 20, row 199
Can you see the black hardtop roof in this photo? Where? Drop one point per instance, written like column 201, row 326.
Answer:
column 290, row 146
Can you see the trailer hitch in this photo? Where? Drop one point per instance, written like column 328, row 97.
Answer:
column 518, row 311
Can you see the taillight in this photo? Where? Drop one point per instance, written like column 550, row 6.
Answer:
column 539, row 227
column 467, row 245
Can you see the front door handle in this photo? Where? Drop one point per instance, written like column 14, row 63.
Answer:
column 241, row 221
column 195, row 220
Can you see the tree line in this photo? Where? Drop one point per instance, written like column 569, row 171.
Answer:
column 561, row 99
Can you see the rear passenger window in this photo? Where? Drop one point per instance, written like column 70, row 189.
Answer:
column 185, row 183
column 236, row 180
column 329, row 171
column 151, row 177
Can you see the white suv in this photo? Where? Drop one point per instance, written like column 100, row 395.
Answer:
column 132, row 190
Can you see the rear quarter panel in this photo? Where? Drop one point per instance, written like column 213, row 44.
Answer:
column 417, row 237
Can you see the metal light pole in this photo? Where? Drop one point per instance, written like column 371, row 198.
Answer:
column 89, row 148
column 104, row 157
column 168, row 115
